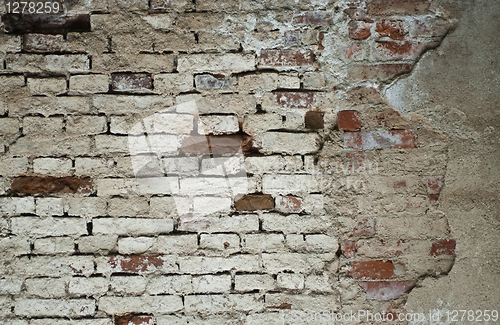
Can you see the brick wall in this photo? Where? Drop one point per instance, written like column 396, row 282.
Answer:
column 334, row 201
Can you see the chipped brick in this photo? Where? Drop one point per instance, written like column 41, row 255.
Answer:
column 372, row 269
column 254, row 202
column 314, row 120
column 286, row 58
column 349, row 120
column 378, row 71
column 313, row 18
column 443, row 247
column 382, row 290
column 293, row 99
column 131, row 81
column 40, row 185
column 359, row 30
column 391, row 28
column 43, row 23
column 392, row 139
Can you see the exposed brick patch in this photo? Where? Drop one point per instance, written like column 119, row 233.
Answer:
column 392, row 139
column 443, row 247
column 43, row 23
column 399, row 51
column 391, row 28
column 313, row 18
column 208, row 81
column 134, row 320
column 254, row 202
column 367, row 227
column 314, row 120
column 40, row 185
column 356, row 51
column 131, row 81
column 382, row 249
column 349, row 248
column 286, row 58
column 135, row 263
column 359, row 30
column 388, row 117
column 42, row 43
column 372, row 269
column 429, row 27
column 395, row 7
column 349, row 120
column 378, row 71
column 217, row 144
column 386, row 290
column 289, row 204
column 293, row 99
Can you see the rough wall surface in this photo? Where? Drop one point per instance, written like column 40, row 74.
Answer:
column 121, row 120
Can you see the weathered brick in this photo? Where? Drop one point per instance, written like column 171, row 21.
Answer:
column 133, row 186
column 265, row 318
column 55, row 266
column 386, row 290
column 48, row 184
column 173, row 83
column 263, row 242
column 46, row 86
column 384, row 249
column 217, row 144
column 349, row 120
column 290, row 281
column 137, row 264
column 211, row 283
column 223, row 303
column 53, row 307
column 43, row 43
column 294, row 262
column 314, row 120
column 395, row 7
column 48, row 226
column 52, row 166
column 209, row 81
column 443, row 247
column 14, row 166
column 131, row 81
column 136, row 63
column 317, row 303
column 221, row 242
column 10, row 286
column 357, row 51
column 203, row 265
column 101, row 244
column 244, row 223
column 183, row 244
column 393, row 139
column 49, row 207
column 133, row 320
column 213, row 62
column 286, row 58
column 85, row 206
column 46, row 23
column 359, row 30
column 46, row 287
column 391, row 51
column 51, row 63
column 366, row 227
column 171, row 284
column 167, row 4
column 9, row 126
column 148, row 304
column 318, row 283
column 88, row 286
column 312, row 243
column 381, row 72
column 290, row 184
column 13, row 206
column 374, row 269
column 48, row 106
column 15, row 245
column 227, row 104
column 86, row 125
column 282, row 142
column 253, row 202
column 89, row 84
column 54, row 245
column 251, row 282
column 295, row 223
column 130, row 207
column 391, row 28
column 56, row 321
column 131, row 226
column 430, row 27
column 218, row 124
column 313, row 18
column 135, row 285
column 289, row 204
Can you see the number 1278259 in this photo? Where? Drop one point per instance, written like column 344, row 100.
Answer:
column 25, row 7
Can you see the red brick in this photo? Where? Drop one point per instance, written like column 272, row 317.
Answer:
column 443, row 247
column 355, row 52
column 42, row 43
column 349, row 248
column 314, row 120
column 313, row 18
column 391, row 28
column 397, row 7
column 289, row 204
column 349, row 120
column 359, row 30
column 254, row 202
column 43, row 23
column 135, row 263
column 134, row 320
column 48, row 184
column 286, row 58
column 217, row 144
column 372, row 269
column 381, row 249
column 378, row 71
column 389, row 51
column 386, row 290
column 367, row 227
column 392, row 139
column 292, row 99
column 131, row 81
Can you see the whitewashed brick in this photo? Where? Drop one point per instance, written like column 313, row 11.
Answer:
column 223, row 303
column 97, row 244
column 48, row 226
column 211, row 283
column 148, row 304
column 263, row 242
column 52, row 166
column 55, row 266
column 88, row 286
column 206, row 205
column 15, row 245
column 53, row 206
column 79, row 125
column 55, row 321
column 17, row 205
column 265, row 318
column 85, row 206
column 173, row 83
column 10, row 286
column 130, row 207
column 128, row 285
column 93, row 166
column 162, row 207
column 133, row 186
column 135, row 245
column 46, row 287
column 14, row 166
column 290, row 281
column 142, row 264
column 183, row 244
column 172, row 284
column 181, row 165
column 318, row 283
column 260, row 165
column 55, row 245
column 223, row 166
column 218, row 124
column 89, row 84
column 221, row 242
column 312, row 243
column 298, row 263
column 215, row 62
column 107, row 144
column 296, row 223
column 46, row 86
column 54, row 307
column 130, row 226
column 240, row 224
column 14, row 322
column 226, row 319
column 9, row 83
column 201, row 265
column 250, row 282
column 291, row 184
